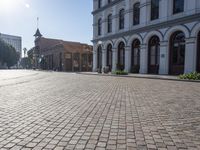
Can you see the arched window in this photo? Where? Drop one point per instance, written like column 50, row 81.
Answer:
column 136, row 14
column 121, row 56
column 154, row 9
column 135, row 61
column 99, row 26
column 99, row 57
column 109, row 56
column 178, row 6
column 121, row 18
column 177, row 53
column 99, row 3
column 109, row 23
column 154, row 55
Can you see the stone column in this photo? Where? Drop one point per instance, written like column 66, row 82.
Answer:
column 163, row 9
column 104, row 24
column 94, row 29
column 103, row 59
column 94, row 60
column 114, row 59
column 143, row 59
column 127, row 59
column 127, row 15
column 104, row 2
column 164, row 58
column 190, row 6
column 144, row 12
column 115, row 24
column 190, row 55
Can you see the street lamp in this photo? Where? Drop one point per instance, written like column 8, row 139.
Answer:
column 99, row 42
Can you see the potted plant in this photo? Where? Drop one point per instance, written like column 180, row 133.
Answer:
column 106, row 69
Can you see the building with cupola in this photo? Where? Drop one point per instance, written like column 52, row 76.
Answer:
column 60, row 55
column 147, row 36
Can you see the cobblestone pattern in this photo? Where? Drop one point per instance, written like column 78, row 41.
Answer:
column 47, row 110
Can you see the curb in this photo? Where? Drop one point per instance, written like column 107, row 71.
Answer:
column 140, row 77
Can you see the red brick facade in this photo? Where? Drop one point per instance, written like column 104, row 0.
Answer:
column 63, row 55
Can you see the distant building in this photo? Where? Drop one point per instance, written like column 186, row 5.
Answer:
column 14, row 41
column 59, row 55
column 147, row 36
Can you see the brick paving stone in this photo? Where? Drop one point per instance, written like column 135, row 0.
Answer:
column 73, row 111
column 59, row 148
column 31, row 145
column 16, row 147
column 37, row 148
column 9, row 145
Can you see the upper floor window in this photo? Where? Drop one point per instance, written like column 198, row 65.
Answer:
column 99, row 3
column 99, row 26
column 154, row 9
column 136, row 13
column 109, row 1
column 178, row 6
column 121, row 18
column 109, row 23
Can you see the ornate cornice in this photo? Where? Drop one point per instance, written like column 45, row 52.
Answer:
column 106, row 6
column 148, row 28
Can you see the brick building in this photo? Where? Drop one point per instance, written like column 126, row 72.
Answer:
column 59, row 55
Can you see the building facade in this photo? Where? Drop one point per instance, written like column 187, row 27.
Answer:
column 147, row 36
column 14, row 41
column 59, row 55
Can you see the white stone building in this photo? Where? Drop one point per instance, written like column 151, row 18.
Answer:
column 147, row 36
column 15, row 41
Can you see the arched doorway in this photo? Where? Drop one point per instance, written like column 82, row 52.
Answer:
column 109, row 56
column 121, row 56
column 198, row 52
column 154, row 55
column 177, row 53
column 99, row 57
column 135, row 55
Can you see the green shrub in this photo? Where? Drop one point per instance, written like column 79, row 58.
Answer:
column 119, row 72
column 190, row 76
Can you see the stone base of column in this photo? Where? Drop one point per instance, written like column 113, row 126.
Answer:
column 143, row 59
column 127, row 59
column 190, row 56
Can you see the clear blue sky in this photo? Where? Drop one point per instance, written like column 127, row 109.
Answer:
column 70, row 20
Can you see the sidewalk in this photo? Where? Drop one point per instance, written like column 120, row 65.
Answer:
column 145, row 76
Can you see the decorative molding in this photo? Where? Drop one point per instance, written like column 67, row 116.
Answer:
column 149, row 28
column 106, row 6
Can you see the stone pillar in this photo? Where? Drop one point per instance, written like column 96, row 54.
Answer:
column 94, row 29
column 104, row 2
column 163, row 9
column 143, row 59
column 114, row 59
column 127, row 15
column 103, row 59
column 94, row 60
column 144, row 12
column 190, row 6
column 127, row 59
column 190, row 55
column 115, row 25
column 164, row 58
column 104, row 24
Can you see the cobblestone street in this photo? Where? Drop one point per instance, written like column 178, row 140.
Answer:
column 50, row 110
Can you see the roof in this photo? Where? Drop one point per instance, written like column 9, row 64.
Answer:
column 38, row 34
column 69, row 46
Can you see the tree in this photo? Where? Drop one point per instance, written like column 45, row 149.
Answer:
column 8, row 54
column 25, row 51
column 26, row 63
